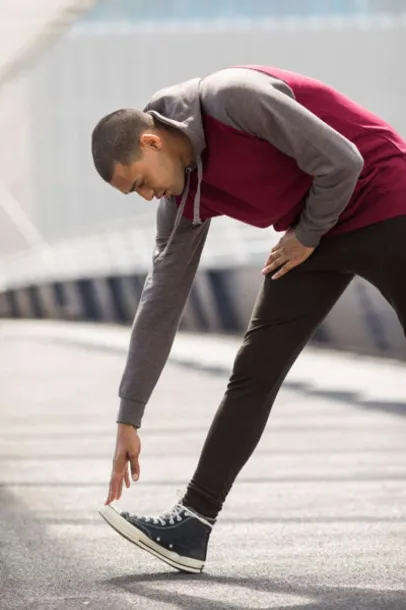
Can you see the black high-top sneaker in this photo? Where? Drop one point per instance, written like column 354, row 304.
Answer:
column 179, row 536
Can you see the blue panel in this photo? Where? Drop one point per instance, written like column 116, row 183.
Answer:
column 197, row 307
column 59, row 294
column 138, row 283
column 223, row 300
column 88, row 299
column 116, row 291
column 321, row 336
column 13, row 304
column 35, row 301
column 166, row 10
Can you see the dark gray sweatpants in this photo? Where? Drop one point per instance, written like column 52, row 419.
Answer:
column 286, row 314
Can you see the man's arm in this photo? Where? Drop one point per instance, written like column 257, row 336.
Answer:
column 264, row 106
column 163, row 300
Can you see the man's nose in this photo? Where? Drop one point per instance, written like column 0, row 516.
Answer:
column 147, row 194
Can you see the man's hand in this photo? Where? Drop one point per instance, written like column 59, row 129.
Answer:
column 128, row 447
column 287, row 253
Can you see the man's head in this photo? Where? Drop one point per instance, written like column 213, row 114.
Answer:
column 133, row 152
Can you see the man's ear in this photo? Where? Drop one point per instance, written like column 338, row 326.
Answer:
column 150, row 140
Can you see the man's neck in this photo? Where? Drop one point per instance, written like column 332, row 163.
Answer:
column 181, row 145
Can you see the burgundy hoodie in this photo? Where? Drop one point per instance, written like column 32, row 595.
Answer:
column 272, row 148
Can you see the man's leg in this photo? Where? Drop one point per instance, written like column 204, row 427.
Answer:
column 287, row 312
column 380, row 258
column 285, row 316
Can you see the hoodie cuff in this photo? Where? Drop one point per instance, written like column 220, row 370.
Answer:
column 307, row 238
column 130, row 412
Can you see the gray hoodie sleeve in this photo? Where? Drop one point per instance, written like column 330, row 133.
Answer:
column 163, row 300
column 258, row 104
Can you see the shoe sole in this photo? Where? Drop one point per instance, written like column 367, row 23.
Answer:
column 137, row 537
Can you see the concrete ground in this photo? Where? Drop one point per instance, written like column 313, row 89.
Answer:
column 316, row 520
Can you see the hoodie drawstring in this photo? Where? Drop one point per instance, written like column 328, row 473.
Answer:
column 178, row 214
column 196, row 204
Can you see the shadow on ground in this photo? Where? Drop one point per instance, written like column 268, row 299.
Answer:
column 323, row 598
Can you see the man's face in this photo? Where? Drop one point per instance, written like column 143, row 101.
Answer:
column 158, row 171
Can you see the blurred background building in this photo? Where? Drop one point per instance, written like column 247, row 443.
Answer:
column 70, row 246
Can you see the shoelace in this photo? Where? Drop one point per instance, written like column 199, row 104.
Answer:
column 167, row 517
column 177, row 513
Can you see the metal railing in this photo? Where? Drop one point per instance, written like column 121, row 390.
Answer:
column 118, row 248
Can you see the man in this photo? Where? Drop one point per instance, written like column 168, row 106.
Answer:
column 270, row 148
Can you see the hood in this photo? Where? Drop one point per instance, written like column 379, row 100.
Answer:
column 179, row 107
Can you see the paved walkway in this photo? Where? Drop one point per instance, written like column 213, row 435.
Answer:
column 316, row 520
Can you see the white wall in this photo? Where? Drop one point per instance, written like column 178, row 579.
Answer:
column 95, row 70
